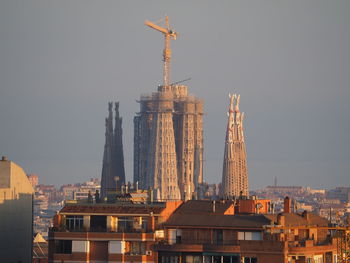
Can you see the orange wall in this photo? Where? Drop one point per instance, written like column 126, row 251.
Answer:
column 249, row 206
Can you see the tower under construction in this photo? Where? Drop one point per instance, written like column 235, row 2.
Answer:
column 113, row 171
column 168, row 136
column 234, row 174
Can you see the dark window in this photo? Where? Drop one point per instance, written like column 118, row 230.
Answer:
column 217, row 259
column 125, row 224
column 98, row 223
column 218, row 236
column 63, row 246
column 227, row 259
column 250, row 260
column 74, row 222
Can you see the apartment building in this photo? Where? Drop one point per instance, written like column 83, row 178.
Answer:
column 208, row 232
column 108, row 232
column 196, row 231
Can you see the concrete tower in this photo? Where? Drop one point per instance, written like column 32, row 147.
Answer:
column 113, row 172
column 168, row 135
column 234, row 174
column 162, row 170
column 168, row 143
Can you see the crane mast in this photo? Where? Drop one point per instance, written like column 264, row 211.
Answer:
column 168, row 35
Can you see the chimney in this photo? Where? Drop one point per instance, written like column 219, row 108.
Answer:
column 287, row 205
column 213, row 206
column 150, row 195
column 4, row 158
column 281, row 219
column 306, row 215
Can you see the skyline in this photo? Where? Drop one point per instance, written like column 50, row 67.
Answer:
column 61, row 62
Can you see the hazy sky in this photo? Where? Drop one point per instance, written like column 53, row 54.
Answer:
column 62, row 61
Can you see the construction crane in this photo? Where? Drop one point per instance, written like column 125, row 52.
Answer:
column 168, row 35
column 180, row 81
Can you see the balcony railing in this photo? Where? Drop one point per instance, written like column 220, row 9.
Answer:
column 310, row 242
column 98, row 229
column 196, row 241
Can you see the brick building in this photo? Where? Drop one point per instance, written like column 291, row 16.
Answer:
column 207, row 232
column 196, row 231
column 107, row 232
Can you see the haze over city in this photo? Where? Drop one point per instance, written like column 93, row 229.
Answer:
column 61, row 62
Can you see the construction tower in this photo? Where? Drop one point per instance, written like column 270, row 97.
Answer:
column 168, row 136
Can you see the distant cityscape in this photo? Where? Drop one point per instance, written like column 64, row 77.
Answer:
column 168, row 213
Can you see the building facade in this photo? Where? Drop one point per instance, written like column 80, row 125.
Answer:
column 123, row 231
column 168, row 143
column 16, row 213
column 234, row 174
column 225, row 235
column 113, row 171
column 229, row 231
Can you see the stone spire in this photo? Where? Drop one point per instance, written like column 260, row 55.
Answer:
column 234, row 175
column 162, row 169
column 113, row 173
column 118, row 148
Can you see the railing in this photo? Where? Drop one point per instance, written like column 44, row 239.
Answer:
column 97, row 229
column 310, row 242
column 196, row 241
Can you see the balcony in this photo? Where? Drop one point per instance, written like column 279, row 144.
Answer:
column 299, row 247
column 226, row 246
column 85, row 234
column 98, row 229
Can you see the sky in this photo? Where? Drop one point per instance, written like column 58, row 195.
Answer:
column 62, row 61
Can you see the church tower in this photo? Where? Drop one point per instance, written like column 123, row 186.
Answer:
column 234, row 174
column 113, row 172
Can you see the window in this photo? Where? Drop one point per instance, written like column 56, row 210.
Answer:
column 125, row 224
column 207, row 259
column 318, row 259
column 218, row 236
column 63, row 246
column 98, row 223
column 137, row 248
column 249, row 236
column 193, row 259
column 169, row 259
column 220, row 259
column 250, row 260
column 74, row 222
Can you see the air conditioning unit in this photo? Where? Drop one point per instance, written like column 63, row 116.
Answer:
column 148, row 253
